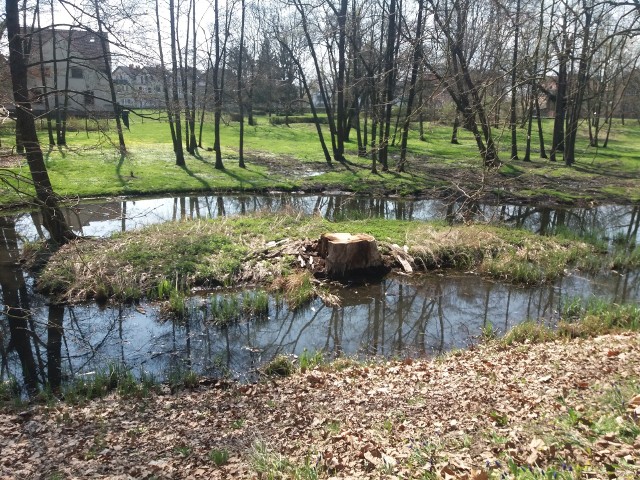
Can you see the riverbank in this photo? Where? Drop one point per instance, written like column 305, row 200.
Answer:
column 561, row 409
column 287, row 158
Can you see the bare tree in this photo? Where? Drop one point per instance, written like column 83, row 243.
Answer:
column 453, row 21
column 53, row 218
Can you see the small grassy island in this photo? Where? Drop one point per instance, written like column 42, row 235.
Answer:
column 267, row 251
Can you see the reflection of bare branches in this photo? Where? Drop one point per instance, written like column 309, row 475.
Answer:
column 464, row 204
column 92, row 347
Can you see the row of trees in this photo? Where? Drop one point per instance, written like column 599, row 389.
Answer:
column 372, row 68
column 367, row 69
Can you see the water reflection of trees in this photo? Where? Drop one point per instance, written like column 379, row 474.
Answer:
column 17, row 311
column 619, row 221
column 421, row 316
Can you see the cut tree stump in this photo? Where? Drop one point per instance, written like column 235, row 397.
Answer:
column 347, row 254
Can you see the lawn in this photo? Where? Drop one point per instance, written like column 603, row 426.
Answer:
column 290, row 158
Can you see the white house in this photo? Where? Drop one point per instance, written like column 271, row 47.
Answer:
column 74, row 66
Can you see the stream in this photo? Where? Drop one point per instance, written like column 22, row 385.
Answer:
column 422, row 315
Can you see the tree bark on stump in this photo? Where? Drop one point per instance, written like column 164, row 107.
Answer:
column 349, row 254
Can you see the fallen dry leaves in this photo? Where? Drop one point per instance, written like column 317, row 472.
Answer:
column 458, row 417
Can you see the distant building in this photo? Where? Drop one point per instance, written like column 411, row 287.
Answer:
column 139, row 87
column 74, row 66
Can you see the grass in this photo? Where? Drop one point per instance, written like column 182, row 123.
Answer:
column 280, row 366
column 270, row 465
column 219, row 457
column 285, row 157
column 579, row 319
column 116, row 378
column 222, row 310
column 180, row 378
column 165, row 261
column 309, row 360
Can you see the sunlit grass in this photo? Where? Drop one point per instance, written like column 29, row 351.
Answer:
column 282, row 157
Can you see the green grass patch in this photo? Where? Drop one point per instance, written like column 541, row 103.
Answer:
column 289, row 157
column 271, row 465
column 579, row 319
column 280, row 366
column 222, row 310
column 116, row 378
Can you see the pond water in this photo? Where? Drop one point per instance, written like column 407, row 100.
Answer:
column 103, row 218
column 399, row 316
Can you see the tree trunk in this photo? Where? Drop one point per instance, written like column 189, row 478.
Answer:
column 514, row 77
column 240, row 104
column 217, row 94
column 303, row 79
column 204, row 99
column 175, row 103
column 456, row 126
column 321, row 87
column 194, row 74
column 417, row 57
column 390, row 81
column 561, row 100
column 341, row 121
column 43, row 77
column 52, row 216
column 112, row 88
column 61, row 118
column 581, row 86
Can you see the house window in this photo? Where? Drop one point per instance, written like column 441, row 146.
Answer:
column 89, row 99
column 76, row 72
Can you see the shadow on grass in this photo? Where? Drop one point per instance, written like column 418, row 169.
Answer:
column 197, row 156
column 240, row 180
column 203, row 182
column 50, row 150
column 121, row 160
column 603, row 170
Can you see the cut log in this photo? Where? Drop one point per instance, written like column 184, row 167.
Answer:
column 347, row 254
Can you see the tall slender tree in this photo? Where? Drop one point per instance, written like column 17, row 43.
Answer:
column 415, row 68
column 240, row 86
column 217, row 88
column 514, row 78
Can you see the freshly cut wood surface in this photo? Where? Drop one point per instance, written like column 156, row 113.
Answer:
column 345, row 253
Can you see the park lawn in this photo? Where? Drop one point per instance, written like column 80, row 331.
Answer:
column 290, row 158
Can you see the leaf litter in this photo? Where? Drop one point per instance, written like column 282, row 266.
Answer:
column 489, row 412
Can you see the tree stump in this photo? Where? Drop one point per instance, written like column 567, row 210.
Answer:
column 347, row 254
